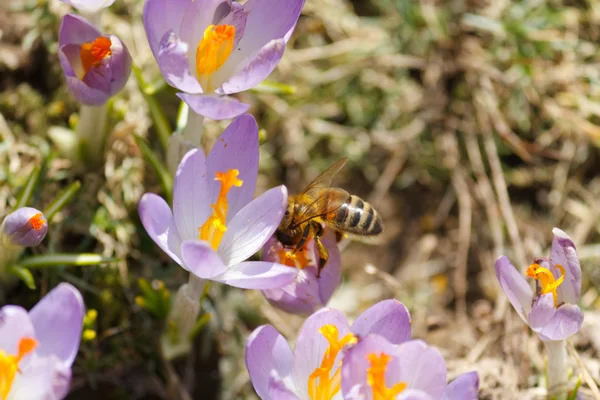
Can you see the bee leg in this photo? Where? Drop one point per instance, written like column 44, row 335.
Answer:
column 306, row 234
column 323, row 255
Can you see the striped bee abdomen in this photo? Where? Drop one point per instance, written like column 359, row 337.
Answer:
column 358, row 217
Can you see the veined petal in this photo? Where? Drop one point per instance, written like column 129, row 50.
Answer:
column 201, row 259
column 515, row 287
column 389, row 319
column 236, row 148
column 46, row 378
column 89, row 6
column 267, row 352
column 199, row 14
column 172, row 58
column 214, row 106
column 422, row 367
column 280, row 391
column 542, row 311
column 464, row 387
column 25, row 227
column 565, row 322
column 564, row 253
column 232, row 14
column 158, row 221
column 257, row 275
column 162, row 16
column 75, row 29
column 58, row 321
column 15, row 324
column 253, row 225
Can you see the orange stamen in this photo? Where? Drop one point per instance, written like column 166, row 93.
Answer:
column 376, row 378
column 296, row 259
column 9, row 364
column 546, row 279
column 37, row 221
column 93, row 53
column 212, row 52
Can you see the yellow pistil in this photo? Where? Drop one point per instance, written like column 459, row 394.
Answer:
column 9, row 364
column 376, row 378
column 328, row 385
column 546, row 279
column 212, row 52
column 295, row 259
column 215, row 226
column 37, row 221
column 93, row 53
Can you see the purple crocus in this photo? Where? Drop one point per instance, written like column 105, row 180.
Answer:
column 215, row 225
column 37, row 348
column 89, row 6
column 306, row 293
column 375, row 369
column 96, row 66
column 208, row 49
column 551, row 311
column 25, row 227
column 312, row 371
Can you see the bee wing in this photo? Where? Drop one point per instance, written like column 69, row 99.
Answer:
column 324, row 180
column 325, row 202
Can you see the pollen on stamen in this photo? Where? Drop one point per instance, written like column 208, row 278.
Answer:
column 37, row 221
column 213, row 50
column 93, row 53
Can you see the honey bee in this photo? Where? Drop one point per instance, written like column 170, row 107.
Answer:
column 319, row 205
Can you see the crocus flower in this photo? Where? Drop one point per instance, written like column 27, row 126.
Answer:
column 375, row 369
column 215, row 225
column 25, row 227
column 208, row 49
column 551, row 311
column 96, row 66
column 38, row 348
column 306, row 293
column 89, row 6
column 312, row 371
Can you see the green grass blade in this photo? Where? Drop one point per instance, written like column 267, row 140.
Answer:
column 61, row 201
column 163, row 175
column 27, row 192
column 23, row 274
column 52, row 260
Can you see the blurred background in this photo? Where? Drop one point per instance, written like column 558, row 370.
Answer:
column 471, row 125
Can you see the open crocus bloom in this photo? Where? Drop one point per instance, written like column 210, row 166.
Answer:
column 25, row 227
column 312, row 371
column 211, row 48
column 375, row 369
column 89, row 6
column 552, row 310
column 215, row 225
column 96, row 66
column 306, row 293
column 38, row 348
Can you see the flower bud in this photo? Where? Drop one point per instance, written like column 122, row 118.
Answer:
column 25, row 227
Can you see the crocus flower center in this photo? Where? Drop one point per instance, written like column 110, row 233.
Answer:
column 37, row 221
column 9, row 364
column 322, row 385
column 296, row 259
column 215, row 226
column 546, row 279
column 212, row 52
column 93, row 53
column 376, row 378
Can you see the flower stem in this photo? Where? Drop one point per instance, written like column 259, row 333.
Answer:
column 557, row 369
column 183, row 141
column 91, row 132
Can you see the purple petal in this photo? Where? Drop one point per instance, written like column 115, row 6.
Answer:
column 278, row 390
column 465, row 387
column 158, row 221
column 201, row 259
column 257, row 275
column 267, row 352
column 253, row 225
column 515, row 287
column 20, row 230
column 388, row 318
column 422, row 367
column 172, row 59
column 15, row 324
column 255, row 69
column 236, row 148
column 58, row 321
column 235, row 16
column 198, row 15
column 311, row 345
column 564, row 253
column 82, row 92
column 75, row 29
column 542, row 311
column 162, row 16
column 411, row 394
column 191, row 203
column 89, row 6
column 564, row 323
column 214, row 106
column 46, row 378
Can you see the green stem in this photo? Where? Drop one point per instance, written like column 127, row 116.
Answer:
column 91, row 132
column 183, row 141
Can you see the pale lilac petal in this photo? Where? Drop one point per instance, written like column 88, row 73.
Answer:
column 565, row 322
column 15, row 324
column 267, row 352
column 564, row 253
column 257, row 275
column 412, row 394
column 20, row 231
column 311, row 345
column 191, row 204
column 89, row 6
column 236, row 148
column 255, row 69
column 542, row 311
column 300, row 296
column 465, row 387
column 201, row 259
column 422, row 367
column 41, row 378
column 82, row 92
column 278, row 390
column 515, row 286
column 389, row 319
column 158, row 221
column 253, row 225
column 214, row 106
column 235, row 15
column 58, row 321
column 172, row 59
column 75, row 29
column 198, row 15
column 162, row 16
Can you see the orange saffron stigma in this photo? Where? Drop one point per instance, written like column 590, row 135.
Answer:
column 212, row 52
column 376, row 378
column 546, row 279
column 215, row 226
column 9, row 364
column 290, row 258
column 327, row 385
column 37, row 221
column 93, row 53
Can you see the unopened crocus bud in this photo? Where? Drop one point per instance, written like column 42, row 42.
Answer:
column 25, row 227
column 96, row 66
